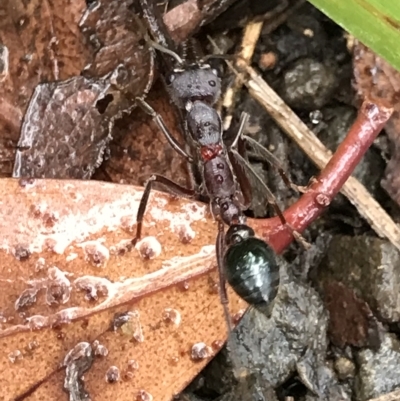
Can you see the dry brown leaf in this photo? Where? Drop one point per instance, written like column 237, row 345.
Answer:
column 114, row 60
column 117, row 41
column 43, row 43
column 375, row 78
column 187, row 17
column 59, row 237
column 65, row 130
column 139, row 148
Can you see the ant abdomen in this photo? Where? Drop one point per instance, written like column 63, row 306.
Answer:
column 251, row 267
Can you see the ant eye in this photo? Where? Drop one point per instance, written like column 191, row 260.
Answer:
column 169, row 78
column 225, row 207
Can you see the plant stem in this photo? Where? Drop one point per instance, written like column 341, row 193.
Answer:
column 321, row 191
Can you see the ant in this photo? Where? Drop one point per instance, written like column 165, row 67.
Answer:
column 220, row 171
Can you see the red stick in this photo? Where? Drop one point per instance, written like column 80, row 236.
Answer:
column 369, row 123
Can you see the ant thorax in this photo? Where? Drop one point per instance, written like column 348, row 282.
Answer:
column 204, row 124
column 196, row 82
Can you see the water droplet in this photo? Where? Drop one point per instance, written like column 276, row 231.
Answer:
column 133, row 364
column 213, row 286
column 58, row 288
column 15, row 356
column 32, row 345
column 200, row 351
column 94, row 287
column 112, row 374
column 40, row 264
column 144, row 396
column 237, row 316
column 21, row 253
column 99, row 349
column 172, row 316
column 36, row 322
column 175, row 360
column 129, row 322
column 185, row 233
column 26, row 299
column 128, row 375
column 185, row 286
column 118, row 320
column 149, row 248
column 316, row 116
column 27, row 182
column 217, row 345
column 96, row 253
column 60, row 335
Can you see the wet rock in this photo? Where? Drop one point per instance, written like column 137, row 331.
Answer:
column 371, row 267
column 351, row 320
column 293, row 44
column 251, row 388
column 344, row 368
column 308, row 84
column 275, row 346
column 320, row 379
column 378, row 371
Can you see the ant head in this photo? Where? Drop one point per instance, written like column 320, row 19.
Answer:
column 196, row 82
column 204, row 124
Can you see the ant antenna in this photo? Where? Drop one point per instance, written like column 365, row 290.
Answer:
column 163, row 49
column 231, row 57
column 154, row 44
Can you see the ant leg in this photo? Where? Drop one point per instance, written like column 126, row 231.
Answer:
column 273, row 161
column 264, row 153
column 171, row 186
column 160, row 123
column 219, row 249
column 268, row 194
column 243, row 181
column 244, row 119
column 238, row 164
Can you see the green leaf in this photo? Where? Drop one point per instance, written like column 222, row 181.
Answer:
column 376, row 23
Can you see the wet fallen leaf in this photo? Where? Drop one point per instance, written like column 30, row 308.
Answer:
column 66, row 270
column 375, row 78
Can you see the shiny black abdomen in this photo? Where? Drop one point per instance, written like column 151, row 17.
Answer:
column 252, row 270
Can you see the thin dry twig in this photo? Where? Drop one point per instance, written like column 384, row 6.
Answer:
column 277, row 20
column 250, row 38
column 393, row 396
